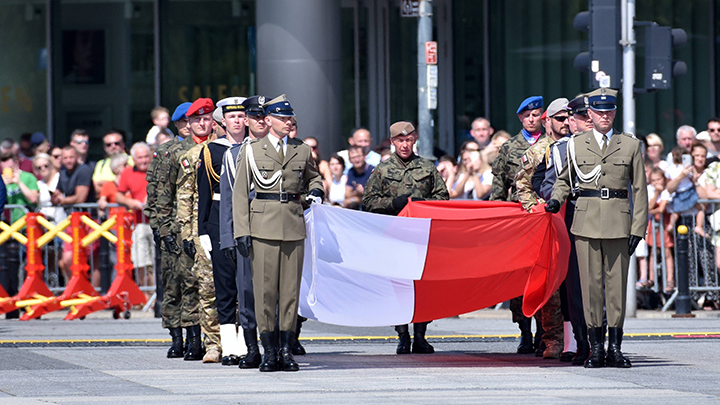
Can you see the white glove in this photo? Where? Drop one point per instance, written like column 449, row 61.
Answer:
column 313, row 199
column 206, row 245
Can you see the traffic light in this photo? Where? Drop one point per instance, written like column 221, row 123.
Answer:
column 659, row 66
column 604, row 60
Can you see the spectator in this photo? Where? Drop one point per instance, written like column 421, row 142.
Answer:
column 39, row 143
column 10, row 145
column 385, row 154
column 335, row 189
column 457, row 184
column 47, row 184
column 653, row 151
column 293, row 129
column 713, row 130
column 132, row 192
column 362, row 138
column 658, row 198
column 113, row 143
column 709, row 187
column 56, row 158
column 109, row 189
column 322, row 165
column 75, row 185
column 685, row 136
column 25, row 149
column 481, row 131
column 447, row 166
column 22, row 188
column 490, row 152
column 478, row 179
column 80, row 140
column 160, row 118
column 357, row 177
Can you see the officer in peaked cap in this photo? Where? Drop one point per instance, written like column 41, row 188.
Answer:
column 606, row 164
column 504, row 168
column 281, row 169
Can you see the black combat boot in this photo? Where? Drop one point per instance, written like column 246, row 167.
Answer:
column 420, row 344
column 252, row 359
column 195, row 349
column 403, row 346
column 269, row 358
column 615, row 357
column 176, row 348
column 297, row 348
column 285, row 355
column 538, row 343
column 583, row 347
column 526, row 337
column 597, row 348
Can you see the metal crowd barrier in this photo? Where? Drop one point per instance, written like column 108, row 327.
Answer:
column 101, row 257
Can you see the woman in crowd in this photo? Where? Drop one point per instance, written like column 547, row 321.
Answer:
column 56, row 157
column 653, row 151
column 322, row 165
column 457, row 182
column 479, row 175
column 335, row 189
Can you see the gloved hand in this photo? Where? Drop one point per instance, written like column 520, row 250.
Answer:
column 189, row 248
column 315, row 196
column 244, row 245
column 170, row 244
column 230, row 254
column 633, row 243
column 553, row 206
column 206, row 245
column 400, row 202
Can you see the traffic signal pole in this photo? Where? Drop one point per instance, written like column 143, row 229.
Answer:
column 628, row 91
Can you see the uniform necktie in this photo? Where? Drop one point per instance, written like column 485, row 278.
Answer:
column 604, row 143
column 280, row 150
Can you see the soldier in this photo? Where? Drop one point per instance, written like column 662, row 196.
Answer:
column 168, row 289
column 393, row 182
column 578, row 121
column 528, row 186
column 606, row 231
column 257, row 129
column 200, row 122
column 232, row 115
column 504, row 168
column 272, row 225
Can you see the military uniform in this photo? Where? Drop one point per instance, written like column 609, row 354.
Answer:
column 187, row 214
column 275, row 224
column 395, row 179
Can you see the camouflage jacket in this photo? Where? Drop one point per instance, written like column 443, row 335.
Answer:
column 536, row 156
column 151, row 177
column 506, row 166
column 187, row 198
column 418, row 178
column 167, row 175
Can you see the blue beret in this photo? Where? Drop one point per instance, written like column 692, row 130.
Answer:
column 530, row 103
column 180, row 111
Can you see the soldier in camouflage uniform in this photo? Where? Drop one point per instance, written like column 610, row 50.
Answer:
column 504, row 168
column 394, row 181
column 187, row 215
column 534, row 161
column 171, row 292
column 200, row 121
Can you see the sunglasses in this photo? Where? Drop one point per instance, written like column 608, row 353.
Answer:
column 113, row 143
column 560, row 119
column 713, row 129
column 313, row 147
column 42, row 167
column 56, row 156
column 80, row 142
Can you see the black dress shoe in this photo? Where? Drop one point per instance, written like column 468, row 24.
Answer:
column 285, row 355
column 269, row 358
column 566, row 357
column 298, row 349
column 597, row 348
column 231, row 360
column 176, row 348
column 614, row 356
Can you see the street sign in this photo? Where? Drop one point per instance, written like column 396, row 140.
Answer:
column 431, row 53
column 432, row 75
column 432, row 98
column 410, row 8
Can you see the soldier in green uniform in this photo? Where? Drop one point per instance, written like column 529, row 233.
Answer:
column 187, row 214
column 200, row 121
column 504, row 169
column 402, row 177
column 607, row 231
column 170, row 307
column 528, row 186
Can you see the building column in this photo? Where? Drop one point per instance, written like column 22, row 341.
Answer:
column 298, row 53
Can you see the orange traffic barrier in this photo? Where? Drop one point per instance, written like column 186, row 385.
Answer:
column 79, row 282
column 124, row 292
column 34, row 287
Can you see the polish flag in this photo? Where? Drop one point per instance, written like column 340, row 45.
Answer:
column 435, row 260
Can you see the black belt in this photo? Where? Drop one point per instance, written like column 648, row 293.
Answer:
column 283, row 197
column 604, row 193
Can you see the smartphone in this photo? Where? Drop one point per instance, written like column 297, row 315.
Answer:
column 686, row 160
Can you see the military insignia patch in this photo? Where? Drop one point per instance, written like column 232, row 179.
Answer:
column 199, row 163
column 185, row 163
column 261, row 100
column 523, row 159
column 263, row 174
column 154, row 154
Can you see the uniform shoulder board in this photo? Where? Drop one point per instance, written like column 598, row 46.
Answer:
column 630, row 135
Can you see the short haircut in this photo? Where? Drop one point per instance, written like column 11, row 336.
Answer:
column 118, row 160
column 5, row 156
column 137, row 146
column 113, row 131
column 70, row 148
column 685, row 128
column 448, row 158
column 155, row 112
column 714, row 119
column 7, row 143
column 338, row 158
column 500, row 134
column 480, row 119
column 355, row 148
column 79, row 131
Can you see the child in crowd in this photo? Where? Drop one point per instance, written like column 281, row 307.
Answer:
column 658, row 198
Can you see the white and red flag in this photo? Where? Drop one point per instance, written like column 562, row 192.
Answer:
column 436, row 259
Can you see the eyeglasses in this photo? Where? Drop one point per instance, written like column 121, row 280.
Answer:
column 560, row 119
column 313, row 147
column 713, row 129
column 42, row 167
column 82, row 141
column 56, row 156
column 113, row 143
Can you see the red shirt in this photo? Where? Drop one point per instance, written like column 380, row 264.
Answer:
column 133, row 181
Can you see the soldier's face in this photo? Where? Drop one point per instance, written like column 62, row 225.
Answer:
column 530, row 120
column 582, row 122
column 602, row 120
column 234, row 123
column 559, row 124
column 280, row 125
column 201, row 125
column 182, row 127
column 257, row 126
column 404, row 145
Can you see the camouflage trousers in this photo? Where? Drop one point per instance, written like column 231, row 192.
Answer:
column 181, row 304
column 549, row 317
column 209, row 321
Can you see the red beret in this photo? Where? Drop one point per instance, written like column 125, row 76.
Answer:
column 542, row 117
column 201, row 106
